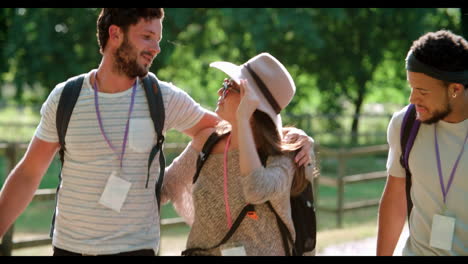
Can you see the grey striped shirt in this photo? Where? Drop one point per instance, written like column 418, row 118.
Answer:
column 82, row 224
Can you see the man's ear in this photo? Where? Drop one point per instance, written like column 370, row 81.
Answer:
column 455, row 89
column 115, row 33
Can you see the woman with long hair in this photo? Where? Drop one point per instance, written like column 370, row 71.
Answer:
column 253, row 163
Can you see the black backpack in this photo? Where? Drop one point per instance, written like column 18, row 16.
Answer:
column 409, row 131
column 67, row 102
column 302, row 211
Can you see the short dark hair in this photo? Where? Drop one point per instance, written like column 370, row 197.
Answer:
column 122, row 17
column 443, row 50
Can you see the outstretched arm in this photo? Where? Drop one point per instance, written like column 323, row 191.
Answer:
column 23, row 181
column 177, row 186
column 209, row 120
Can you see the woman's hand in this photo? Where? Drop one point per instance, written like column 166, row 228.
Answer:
column 304, row 156
column 249, row 101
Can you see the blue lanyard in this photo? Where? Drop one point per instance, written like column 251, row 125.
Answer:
column 452, row 174
column 96, row 103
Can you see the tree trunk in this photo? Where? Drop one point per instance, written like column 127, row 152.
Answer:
column 361, row 84
column 357, row 113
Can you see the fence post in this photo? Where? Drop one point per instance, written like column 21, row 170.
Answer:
column 340, row 188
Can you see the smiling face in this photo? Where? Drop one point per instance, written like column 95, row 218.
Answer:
column 139, row 47
column 430, row 96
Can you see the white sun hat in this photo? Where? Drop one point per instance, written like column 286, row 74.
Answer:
column 268, row 79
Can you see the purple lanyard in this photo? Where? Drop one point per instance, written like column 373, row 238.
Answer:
column 452, row 174
column 96, row 103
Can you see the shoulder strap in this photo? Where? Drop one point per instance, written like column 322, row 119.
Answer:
column 67, row 102
column 409, row 130
column 248, row 208
column 206, row 150
column 156, row 108
column 204, row 154
column 285, row 234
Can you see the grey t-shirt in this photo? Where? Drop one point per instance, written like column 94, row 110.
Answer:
column 426, row 192
column 82, row 224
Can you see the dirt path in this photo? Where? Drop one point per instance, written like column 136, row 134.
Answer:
column 173, row 245
column 364, row 247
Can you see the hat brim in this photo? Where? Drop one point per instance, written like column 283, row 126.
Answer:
column 232, row 70
column 236, row 73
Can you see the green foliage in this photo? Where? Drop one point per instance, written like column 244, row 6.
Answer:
column 340, row 58
column 45, row 46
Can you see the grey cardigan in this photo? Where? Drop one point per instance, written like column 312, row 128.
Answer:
column 202, row 205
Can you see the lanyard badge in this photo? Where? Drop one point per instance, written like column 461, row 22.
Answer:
column 443, row 226
column 116, row 189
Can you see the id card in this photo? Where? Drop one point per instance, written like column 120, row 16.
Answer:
column 233, row 250
column 115, row 192
column 443, row 228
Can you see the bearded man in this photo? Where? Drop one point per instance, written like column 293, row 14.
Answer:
column 437, row 72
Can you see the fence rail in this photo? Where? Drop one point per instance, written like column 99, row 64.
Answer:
column 11, row 152
column 9, row 243
column 341, row 179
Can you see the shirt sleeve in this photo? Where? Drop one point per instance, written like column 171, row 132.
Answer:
column 270, row 182
column 177, row 185
column 47, row 130
column 394, row 167
column 182, row 111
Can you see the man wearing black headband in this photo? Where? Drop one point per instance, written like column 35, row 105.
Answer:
column 437, row 72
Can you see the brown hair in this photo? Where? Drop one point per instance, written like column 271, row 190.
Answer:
column 269, row 143
column 122, row 17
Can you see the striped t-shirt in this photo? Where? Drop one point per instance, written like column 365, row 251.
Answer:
column 82, row 224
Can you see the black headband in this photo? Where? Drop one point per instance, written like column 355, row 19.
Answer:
column 264, row 89
column 414, row 65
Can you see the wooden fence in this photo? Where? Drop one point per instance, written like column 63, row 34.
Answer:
column 342, row 179
column 11, row 151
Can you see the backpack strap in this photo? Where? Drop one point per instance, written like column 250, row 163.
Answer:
column 285, row 234
column 156, row 108
column 65, row 107
column 409, row 130
column 205, row 153
column 67, row 102
column 248, row 208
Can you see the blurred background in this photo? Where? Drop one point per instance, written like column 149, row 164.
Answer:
column 347, row 63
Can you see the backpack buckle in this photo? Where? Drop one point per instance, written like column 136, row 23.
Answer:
column 253, row 215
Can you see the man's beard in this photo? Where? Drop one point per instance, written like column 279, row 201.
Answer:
column 126, row 61
column 439, row 115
